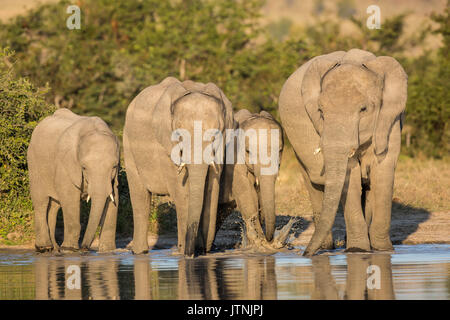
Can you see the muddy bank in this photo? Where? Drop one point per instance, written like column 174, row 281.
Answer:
column 407, row 227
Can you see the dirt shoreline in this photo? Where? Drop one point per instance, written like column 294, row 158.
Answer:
column 406, row 228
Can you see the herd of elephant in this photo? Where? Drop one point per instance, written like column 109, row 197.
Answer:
column 342, row 112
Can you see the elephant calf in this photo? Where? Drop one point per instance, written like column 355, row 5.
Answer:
column 250, row 184
column 72, row 157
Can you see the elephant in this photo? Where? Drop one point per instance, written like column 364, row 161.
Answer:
column 72, row 157
column 154, row 165
column 245, row 184
column 343, row 112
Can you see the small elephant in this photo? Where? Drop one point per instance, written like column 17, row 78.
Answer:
column 72, row 157
column 154, row 120
column 246, row 184
column 342, row 113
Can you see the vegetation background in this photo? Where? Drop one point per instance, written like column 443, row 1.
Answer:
column 248, row 48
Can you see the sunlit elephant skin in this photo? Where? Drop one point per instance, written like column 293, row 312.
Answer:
column 72, row 157
column 342, row 113
column 246, row 184
column 150, row 121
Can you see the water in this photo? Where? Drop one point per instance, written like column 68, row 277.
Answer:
column 412, row 272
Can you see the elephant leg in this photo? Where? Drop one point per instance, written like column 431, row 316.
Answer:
column 108, row 234
column 52, row 217
column 41, row 204
column 382, row 183
column 316, row 198
column 355, row 225
column 209, row 215
column 70, row 204
column 181, row 200
column 141, row 203
column 383, row 189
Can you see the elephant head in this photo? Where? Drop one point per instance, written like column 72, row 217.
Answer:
column 195, row 111
column 94, row 168
column 353, row 100
column 268, row 136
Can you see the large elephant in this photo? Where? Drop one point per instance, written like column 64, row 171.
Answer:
column 153, row 119
column 72, row 157
column 246, row 184
column 342, row 113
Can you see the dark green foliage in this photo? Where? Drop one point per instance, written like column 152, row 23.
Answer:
column 428, row 108
column 21, row 107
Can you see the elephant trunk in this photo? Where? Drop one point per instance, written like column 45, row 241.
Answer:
column 335, row 174
column 340, row 141
column 197, row 176
column 267, row 202
column 101, row 198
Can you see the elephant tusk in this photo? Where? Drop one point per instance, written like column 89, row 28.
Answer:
column 88, row 198
column 352, row 153
column 317, row 150
column 257, row 181
column 112, row 198
column 215, row 167
column 180, row 168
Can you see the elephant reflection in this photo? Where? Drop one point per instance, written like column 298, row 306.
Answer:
column 369, row 277
column 211, row 279
column 76, row 278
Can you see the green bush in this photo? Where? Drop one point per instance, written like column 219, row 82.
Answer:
column 21, row 107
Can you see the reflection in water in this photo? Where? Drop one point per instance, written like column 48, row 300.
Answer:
column 161, row 275
column 368, row 277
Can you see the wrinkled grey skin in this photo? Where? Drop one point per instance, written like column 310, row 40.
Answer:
column 350, row 105
column 253, row 192
column 151, row 118
column 72, row 157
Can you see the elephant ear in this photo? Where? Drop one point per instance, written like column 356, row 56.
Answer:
column 242, row 115
column 393, row 98
column 312, row 85
column 163, row 114
column 267, row 115
column 66, row 156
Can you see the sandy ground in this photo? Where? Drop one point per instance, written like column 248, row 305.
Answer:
column 406, row 228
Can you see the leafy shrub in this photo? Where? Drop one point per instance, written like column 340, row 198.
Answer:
column 21, row 107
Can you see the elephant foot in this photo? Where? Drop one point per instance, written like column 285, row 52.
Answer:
column 106, row 247
column 328, row 243
column 381, row 244
column 139, row 250
column 356, row 249
column 43, row 249
column 69, row 249
column 360, row 244
column 308, row 252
